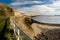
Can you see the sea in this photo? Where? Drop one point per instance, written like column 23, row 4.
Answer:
column 51, row 19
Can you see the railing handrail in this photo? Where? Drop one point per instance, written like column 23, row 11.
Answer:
column 23, row 32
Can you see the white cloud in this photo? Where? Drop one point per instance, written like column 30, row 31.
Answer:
column 15, row 4
column 47, row 9
column 50, row 9
column 39, row 9
column 55, row 4
column 27, row 2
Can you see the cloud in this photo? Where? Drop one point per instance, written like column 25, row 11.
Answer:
column 46, row 9
column 39, row 9
column 56, row 5
column 15, row 4
column 26, row 2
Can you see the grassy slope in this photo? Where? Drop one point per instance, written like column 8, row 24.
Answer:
column 5, row 31
column 4, row 28
column 25, row 24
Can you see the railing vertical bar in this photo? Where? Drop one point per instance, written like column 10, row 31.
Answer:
column 19, row 30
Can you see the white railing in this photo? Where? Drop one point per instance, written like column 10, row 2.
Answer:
column 17, row 29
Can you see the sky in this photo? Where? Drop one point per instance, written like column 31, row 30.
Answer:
column 45, row 7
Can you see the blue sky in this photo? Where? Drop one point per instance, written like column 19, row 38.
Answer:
column 6, row 1
column 48, row 7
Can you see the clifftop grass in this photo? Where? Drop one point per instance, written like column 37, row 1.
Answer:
column 5, row 13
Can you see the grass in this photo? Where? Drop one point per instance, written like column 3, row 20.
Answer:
column 2, row 21
column 28, row 23
column 25, row 24
column 22, row 36
column 5, row 29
